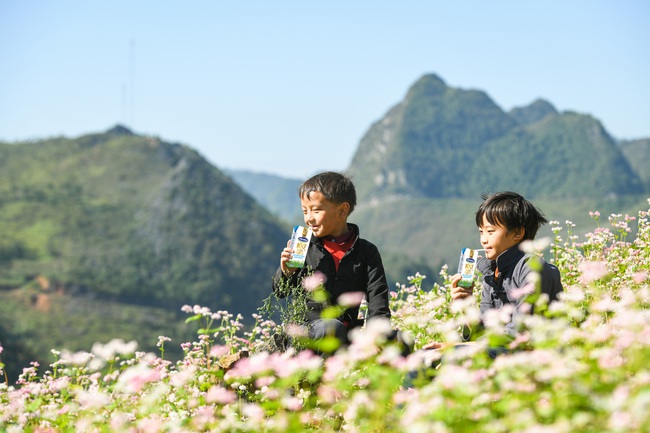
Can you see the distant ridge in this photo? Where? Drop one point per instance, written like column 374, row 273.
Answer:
column 444, row 142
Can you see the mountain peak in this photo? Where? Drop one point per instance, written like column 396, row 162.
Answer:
column 428, row 84
column 533, row 113
column 119, row 130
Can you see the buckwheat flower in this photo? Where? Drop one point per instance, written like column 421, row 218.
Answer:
column 609, row 358
column 96, row 364
column 264, row 381
column 186, row 309
column 351, row 299
column 637, row 277
column 91, row 400
column 135, row 377
column 218, row 394
column 391, row 355
column 152, row 424
column 76, row 358
column 161, row 340
column 293, row 404
column 295, row 330
column 286, row 366
column 117, row 346
column 572, row 294
column 217, row 351
column 183, row 376
column 204, row 311
column 334, row 366
column 591, row 271
column 253, row 412
column 534, row 246
column 523, row 291
column 329, row 394
column 314, row 281
column 378, row 326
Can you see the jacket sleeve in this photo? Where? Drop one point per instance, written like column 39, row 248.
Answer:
column 549, row 284
column 488, row 284
column 377, row 286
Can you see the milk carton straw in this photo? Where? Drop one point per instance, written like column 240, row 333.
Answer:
column 467, row 267
column 299, row 244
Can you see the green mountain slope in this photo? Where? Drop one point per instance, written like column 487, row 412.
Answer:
column 637, row 153
column 423, row 145
column 442, row 142
column 134, row 218
column 563, row 155
column 108, row 235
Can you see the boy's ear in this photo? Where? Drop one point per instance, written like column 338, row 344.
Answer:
column 519, row 233
column 344, row 208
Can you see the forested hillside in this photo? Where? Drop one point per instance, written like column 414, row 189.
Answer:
column 444, row 142
column 92, row 225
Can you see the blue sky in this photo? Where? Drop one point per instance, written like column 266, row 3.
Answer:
column 290, row 87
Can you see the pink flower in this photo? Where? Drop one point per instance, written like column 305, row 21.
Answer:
column 295, row 330
column 329, row 394
column 523, row 291
column 351, row 299
column 292, row 403
column 591, row 271
column 220, row 395
column 253, row 411
column 638, row 277
column 218, row 351
column 314, row 281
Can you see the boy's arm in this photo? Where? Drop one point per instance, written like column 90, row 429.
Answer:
column 377, row 287
column 488, row 284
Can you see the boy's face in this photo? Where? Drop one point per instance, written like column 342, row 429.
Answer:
column 496, row 238
column 324, row 217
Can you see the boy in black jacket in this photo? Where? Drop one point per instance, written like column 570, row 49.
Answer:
column 348, row 265
column 504, row 221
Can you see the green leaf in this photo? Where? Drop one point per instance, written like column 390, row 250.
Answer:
column 331, row 312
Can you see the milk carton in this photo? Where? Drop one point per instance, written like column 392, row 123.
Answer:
column 467, row 267
column 299, row 244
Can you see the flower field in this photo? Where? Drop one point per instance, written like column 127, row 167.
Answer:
column 581, row 364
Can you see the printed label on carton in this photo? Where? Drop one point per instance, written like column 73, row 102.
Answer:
column 299, row 244
column 467, row 267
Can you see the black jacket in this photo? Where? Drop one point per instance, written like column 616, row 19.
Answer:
column 360, row 270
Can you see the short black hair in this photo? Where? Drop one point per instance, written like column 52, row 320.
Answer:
column 335, row 187
column 510, row 210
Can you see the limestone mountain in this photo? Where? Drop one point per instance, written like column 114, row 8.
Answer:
column 533, row 113
column 444, row 142
column 131, row 217
column 637, row 153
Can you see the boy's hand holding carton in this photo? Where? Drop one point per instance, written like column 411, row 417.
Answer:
column 295, row 254
column 463, row 282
